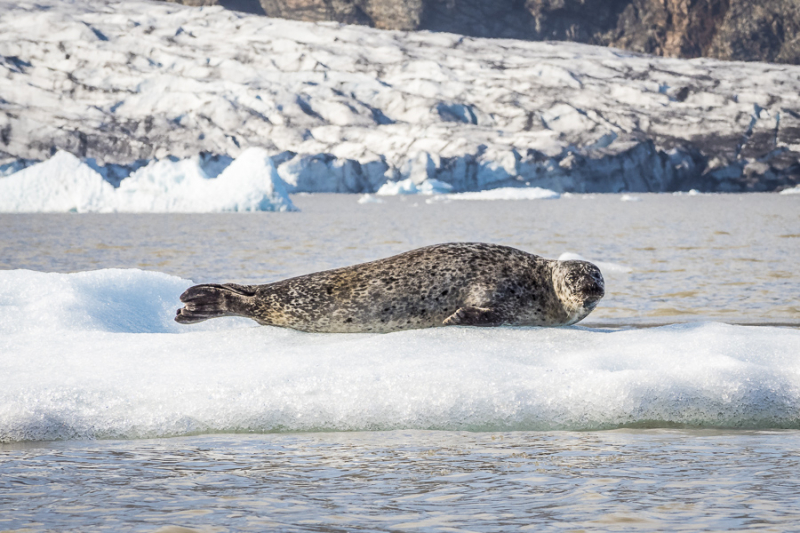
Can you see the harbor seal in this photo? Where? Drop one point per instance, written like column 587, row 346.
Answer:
column 466, row 284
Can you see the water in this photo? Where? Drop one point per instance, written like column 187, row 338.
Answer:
column 728, row 257
column 661, row 480
column 97, row 357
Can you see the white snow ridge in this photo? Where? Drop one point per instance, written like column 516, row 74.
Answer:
column 64, row 183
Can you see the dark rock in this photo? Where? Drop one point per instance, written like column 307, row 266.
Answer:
column 502, row 18
column 195, row 2
column 390, row 15
column 675, row 28
column 393, row 15
column 576, row 20
column 346, row 11
column 767, row 30
column 245, row 6
column 759, row 31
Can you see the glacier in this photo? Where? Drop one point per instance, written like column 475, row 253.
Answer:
column 352, row 109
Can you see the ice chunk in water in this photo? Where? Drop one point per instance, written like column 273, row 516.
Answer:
column 65, row 183
column 96, row 355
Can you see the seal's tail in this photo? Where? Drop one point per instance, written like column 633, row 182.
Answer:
column 202, row 302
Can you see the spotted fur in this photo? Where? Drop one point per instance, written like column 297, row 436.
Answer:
column 471, row 284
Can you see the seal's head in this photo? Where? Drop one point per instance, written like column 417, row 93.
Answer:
column 579, row 285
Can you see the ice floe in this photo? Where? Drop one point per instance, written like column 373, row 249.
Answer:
column 369, row 199
column 691, row 192
column 630, row 198
column 65, row 183
column 507, row 193
column 408, row 186
column 97, row 355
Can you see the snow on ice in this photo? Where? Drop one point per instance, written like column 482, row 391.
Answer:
column 97, row 355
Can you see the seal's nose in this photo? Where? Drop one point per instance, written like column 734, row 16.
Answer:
column 593, row 290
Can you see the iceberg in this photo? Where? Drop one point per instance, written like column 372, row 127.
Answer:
column 64, row 183
column 249, row 183
column 409, row 186
column 369, row 199
column 11, row 165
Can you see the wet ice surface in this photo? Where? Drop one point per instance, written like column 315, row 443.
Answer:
column 727, row 257
column 409, row 481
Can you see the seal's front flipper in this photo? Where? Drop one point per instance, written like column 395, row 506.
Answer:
column 211, row 300
column 473, row 316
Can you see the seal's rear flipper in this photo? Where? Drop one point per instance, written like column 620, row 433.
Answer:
column 473, row 316
column 211, row 300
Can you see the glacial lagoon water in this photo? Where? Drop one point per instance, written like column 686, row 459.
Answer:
column 675, row 406
column 654, row 480
column 728, row 257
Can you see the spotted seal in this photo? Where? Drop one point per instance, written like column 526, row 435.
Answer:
column 466, row 284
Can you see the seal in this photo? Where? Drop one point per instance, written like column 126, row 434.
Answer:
column 464, row 284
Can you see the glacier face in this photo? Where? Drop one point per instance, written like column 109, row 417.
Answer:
column 348, row 108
